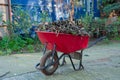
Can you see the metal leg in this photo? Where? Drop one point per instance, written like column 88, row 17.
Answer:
column 45, row 47
column 80, row 63
column 53, row 51
column 63, row 61
column 81, row 66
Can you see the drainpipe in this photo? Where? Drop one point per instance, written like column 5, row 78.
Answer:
column 9, row 17
column 9, row 10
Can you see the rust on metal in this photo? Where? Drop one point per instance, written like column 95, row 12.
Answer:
column 9, row 11
column 3, row 4
column 76, row 55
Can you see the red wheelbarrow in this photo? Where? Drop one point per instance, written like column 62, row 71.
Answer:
column 66, row 43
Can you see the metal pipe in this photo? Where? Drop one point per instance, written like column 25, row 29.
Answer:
column 3, row 4
column 9, row 10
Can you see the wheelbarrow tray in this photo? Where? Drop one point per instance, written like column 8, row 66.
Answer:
column 66, row 43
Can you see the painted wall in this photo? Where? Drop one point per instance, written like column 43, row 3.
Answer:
column 4, row 11
column 56, row 9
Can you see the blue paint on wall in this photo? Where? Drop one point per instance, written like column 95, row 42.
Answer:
column 96, row 10
column 35, row 7
column 53, row 12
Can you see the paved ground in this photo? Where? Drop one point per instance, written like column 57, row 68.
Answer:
column 101, row 62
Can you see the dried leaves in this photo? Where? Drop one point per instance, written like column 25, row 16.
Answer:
column 64, row 27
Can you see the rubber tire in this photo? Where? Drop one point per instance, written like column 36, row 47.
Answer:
column 43, row 61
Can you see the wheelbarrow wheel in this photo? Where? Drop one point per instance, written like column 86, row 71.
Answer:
column 47, row 59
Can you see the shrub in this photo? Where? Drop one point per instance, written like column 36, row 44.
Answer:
column 30, row 48
column 1, row 53
column 109, row 8
column 16, row 44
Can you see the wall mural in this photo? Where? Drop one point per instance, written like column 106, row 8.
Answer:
column 52, row 10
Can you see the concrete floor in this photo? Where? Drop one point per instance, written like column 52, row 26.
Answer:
column 101, row 62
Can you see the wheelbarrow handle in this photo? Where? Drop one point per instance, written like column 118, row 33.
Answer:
column 96, row 41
